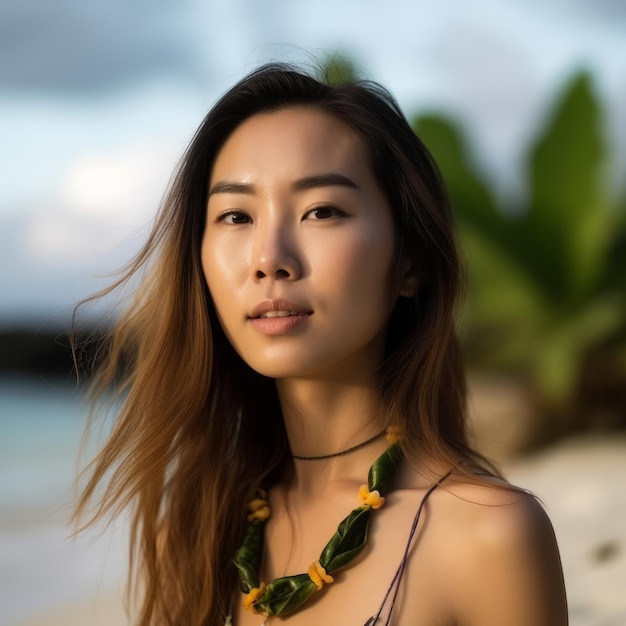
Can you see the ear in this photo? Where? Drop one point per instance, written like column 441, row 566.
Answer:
column 409, row 282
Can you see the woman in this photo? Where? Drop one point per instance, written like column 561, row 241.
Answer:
column 295, row 328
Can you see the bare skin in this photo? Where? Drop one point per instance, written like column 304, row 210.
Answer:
column 322, row 253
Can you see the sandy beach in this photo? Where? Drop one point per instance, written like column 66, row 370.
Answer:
column 582, row 484
column 103, row 609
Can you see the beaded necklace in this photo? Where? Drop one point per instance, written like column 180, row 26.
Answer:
column 286, row 594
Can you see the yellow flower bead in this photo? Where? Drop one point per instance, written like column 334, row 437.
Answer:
column 259, row 509
column 318, row 575
column 250, row 598
column 370, row 498
column 261, row 514
column 394, row 434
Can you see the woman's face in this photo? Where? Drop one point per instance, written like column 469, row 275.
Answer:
column 299, row 247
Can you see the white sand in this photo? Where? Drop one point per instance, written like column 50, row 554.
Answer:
column 104, row 609
column 583, row 485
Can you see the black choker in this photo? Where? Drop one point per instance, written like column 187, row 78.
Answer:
column 340, row 453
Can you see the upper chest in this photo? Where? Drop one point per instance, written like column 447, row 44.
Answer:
column 376, row 581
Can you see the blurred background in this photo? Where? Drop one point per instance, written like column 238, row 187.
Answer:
column 523, row 104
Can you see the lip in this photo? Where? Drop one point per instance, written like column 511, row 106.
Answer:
column 266, row 306
column 298, row 316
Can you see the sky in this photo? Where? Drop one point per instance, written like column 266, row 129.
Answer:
column 99, row 99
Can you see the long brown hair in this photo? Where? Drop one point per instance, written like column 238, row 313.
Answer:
column 197, row 428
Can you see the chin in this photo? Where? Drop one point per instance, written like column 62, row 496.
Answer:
column 285, row 366
column 280, row 370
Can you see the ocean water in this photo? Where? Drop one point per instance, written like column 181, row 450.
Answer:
column 41, row 565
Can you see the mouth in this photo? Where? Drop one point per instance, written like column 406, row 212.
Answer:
column 278, row 308
column 279, row 314
column 279, row 318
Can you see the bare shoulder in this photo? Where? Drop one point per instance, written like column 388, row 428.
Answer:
column 494, row 513
column 500, row 555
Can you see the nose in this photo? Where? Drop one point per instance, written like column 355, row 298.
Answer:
column 275, row 254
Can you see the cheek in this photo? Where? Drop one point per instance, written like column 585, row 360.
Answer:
column 366, row 267
column 218, row 276
column 224, row 261
column 360, row 285
column 206, row 258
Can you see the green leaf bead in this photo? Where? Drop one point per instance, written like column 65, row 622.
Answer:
column 284, row 595
column 383, row 469
column 248, row 556
column 348, row 540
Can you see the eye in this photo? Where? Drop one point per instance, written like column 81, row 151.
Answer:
column 324, row 212
column 234, row 217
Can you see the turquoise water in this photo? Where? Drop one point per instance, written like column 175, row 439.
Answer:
column 41, row 425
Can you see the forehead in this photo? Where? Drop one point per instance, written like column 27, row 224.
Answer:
column 291, row 143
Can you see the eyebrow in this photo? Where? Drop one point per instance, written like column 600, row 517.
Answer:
column 229, row 187
column 302, row 184
column 322, row 180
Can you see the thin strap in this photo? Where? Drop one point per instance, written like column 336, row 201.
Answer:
column 395, row 582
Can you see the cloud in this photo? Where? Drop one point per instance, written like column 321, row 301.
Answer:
column 102, row 199
column 78, row 45
column 59, row 250
column 604, row 11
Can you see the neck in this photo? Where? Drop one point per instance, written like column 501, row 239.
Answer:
column 324, row 417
